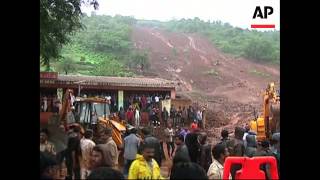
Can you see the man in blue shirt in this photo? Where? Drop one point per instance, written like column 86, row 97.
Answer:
column 131, row 144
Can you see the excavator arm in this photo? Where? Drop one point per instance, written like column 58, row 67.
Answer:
column 265, row 124
column 66, row 107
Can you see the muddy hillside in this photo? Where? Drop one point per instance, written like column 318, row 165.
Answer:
column 231, row 87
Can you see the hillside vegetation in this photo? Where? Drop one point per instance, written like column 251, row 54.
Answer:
column 251, row 44
column 103, row 48
column 104, row 45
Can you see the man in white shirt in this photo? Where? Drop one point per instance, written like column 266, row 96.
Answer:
column 169, row 133
column 220, row 153
column 86, row 145
column 45, row 104
column 137, row 118
column 156, row 99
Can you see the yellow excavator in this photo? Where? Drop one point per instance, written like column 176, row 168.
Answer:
column 88, row 110
column 269, row 122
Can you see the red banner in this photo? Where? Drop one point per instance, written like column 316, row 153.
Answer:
column 48, row 75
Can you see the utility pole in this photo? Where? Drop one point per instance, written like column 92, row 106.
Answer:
column 79, row 86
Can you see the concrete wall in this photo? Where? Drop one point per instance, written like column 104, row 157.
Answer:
column 173, row 94
column 181, row 102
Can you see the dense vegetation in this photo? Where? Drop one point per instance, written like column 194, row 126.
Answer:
column 58, row 20
column 255, row 45
column 103, row 48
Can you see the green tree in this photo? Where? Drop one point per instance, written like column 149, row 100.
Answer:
column 139, row 58
column 67, row 65
column 261, row 46
column 58, row 19
column 259, row 49
column 109, row 68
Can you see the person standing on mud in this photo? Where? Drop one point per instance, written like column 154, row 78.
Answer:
column 143, row 102
column 155, row 117
column 131, row 144
column 165, row 116
column 148, row 101
column 190, row 116
column 98, row 158
column 247, row 132
column 45, row 145
column 173, row 114
column 251, row 148
column 236, row 148
column 110, row 148
column 169, row 133
column 179, row 116
column 145, row 166
column 194, row 114
column 193, row 145
column 184, row 132
column 148, row 138
column 236, row 145
column 137, row 117
column 48, row 166
column 73, row 157
column 199, row 118
column 220, row 153
column 225, row 137
column 204, row 117
column 122, row 114
column 181, row 153
column 205, row 152
column 157, row 100
column 194, row 125
column 86, row 145
column 130, row 115
column 184, row 117
column 150, row 111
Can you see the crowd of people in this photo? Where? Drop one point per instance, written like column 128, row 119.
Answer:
column 188, row 149
column 183, row 142
column 179, row 117
column 50, row 103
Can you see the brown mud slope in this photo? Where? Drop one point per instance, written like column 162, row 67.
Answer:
column 230, row 86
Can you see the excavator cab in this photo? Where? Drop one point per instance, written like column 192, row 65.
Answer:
column 94, row 113
column 88, row 112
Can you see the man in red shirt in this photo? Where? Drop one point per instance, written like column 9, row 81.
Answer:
column 144, row 102
column 130, row 115
column 194, row 125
